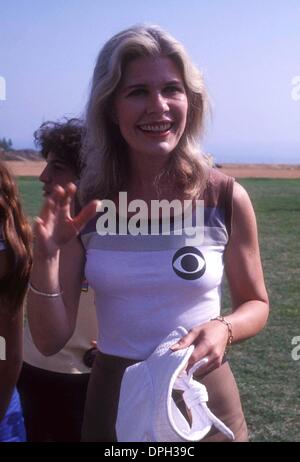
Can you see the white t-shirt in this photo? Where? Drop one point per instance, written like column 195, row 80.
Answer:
column 146, row 286
column 69, row 360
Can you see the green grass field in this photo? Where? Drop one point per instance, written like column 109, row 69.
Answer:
column 31, row 194
column 268, row 377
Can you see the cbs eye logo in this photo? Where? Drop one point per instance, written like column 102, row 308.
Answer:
column 189, row 263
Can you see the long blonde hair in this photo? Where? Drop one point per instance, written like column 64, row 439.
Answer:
column 17, row 236
column 104, row 150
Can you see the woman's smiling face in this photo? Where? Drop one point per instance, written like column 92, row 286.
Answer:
column 151, row 106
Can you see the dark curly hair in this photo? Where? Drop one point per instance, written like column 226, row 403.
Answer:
column 63, row 139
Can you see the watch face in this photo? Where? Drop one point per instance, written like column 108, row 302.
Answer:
column 89, row 356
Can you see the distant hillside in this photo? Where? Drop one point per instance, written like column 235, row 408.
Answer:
column 21, row 155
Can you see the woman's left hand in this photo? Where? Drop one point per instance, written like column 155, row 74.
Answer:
column 210, row 340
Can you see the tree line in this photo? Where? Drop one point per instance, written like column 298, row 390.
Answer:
column 5, row 144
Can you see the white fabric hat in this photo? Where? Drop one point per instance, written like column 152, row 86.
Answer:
column 147, row 411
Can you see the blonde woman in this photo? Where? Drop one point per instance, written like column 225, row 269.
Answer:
column 145, row 116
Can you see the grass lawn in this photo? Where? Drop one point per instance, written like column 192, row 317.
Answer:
column 268, row 377
column 31, row 193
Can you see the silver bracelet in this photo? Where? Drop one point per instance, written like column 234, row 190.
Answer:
column 44, row 294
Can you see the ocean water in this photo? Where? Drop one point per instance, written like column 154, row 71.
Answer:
column 246, row 155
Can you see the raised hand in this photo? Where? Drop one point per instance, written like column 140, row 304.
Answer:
column 55, row 226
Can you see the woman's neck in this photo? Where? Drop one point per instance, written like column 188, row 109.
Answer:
column 144, row 171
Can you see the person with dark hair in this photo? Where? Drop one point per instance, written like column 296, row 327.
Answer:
column 64, row 139
column 53, row 388
column 145, row 117
column 15, row 266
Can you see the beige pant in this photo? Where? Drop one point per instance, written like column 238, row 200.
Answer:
column 104, row 389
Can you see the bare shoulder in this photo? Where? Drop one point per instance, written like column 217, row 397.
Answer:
column 243, row 215
column 240, row 195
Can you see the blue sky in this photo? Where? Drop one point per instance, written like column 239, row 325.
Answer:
column 249, row 53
